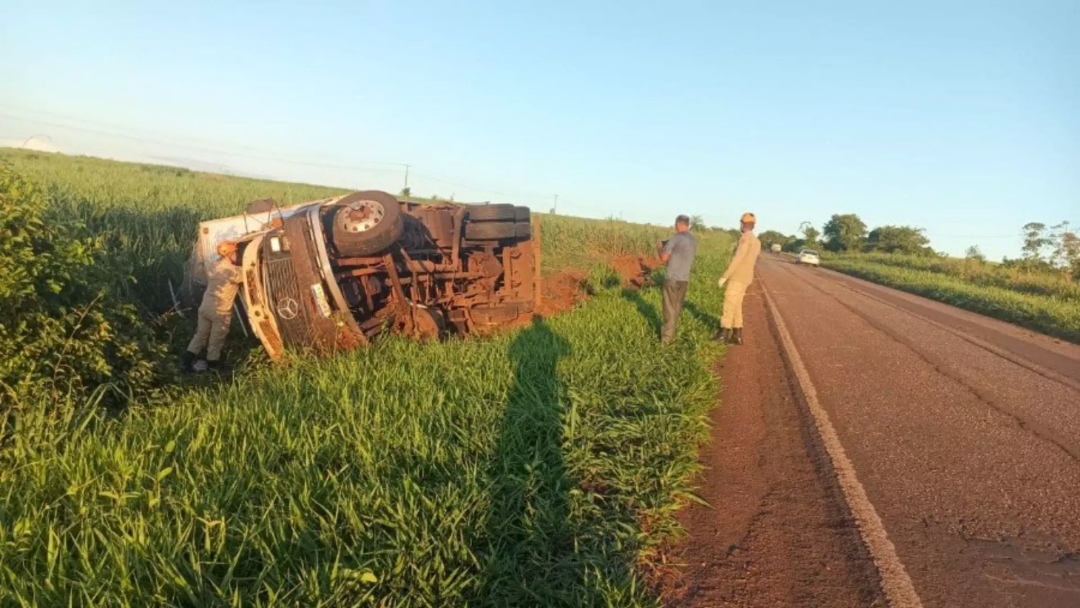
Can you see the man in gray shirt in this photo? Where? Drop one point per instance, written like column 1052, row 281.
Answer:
column 678, row 253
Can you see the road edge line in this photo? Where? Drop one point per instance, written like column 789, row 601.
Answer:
column 899, row 590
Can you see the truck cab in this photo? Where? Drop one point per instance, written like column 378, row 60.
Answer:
column 332, row 274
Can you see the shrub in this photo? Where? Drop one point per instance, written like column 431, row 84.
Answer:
column 60, row 334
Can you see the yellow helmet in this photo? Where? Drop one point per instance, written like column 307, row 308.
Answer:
column 748, row 218
column 226, row 248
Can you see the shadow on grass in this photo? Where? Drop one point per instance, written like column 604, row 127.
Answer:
column 538, row 550
column 652, row 316
column 709, row 321
column 648, row 311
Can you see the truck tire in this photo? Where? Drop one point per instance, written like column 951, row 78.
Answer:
column 521, row 214
column 490, row 231
column 492, row 213
column 523, row 230
column 365, row 223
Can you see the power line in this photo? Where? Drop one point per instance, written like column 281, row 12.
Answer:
column 158, row 134
column 206, row 149
column 100, row 130
column 110, row 130
column 450, row 181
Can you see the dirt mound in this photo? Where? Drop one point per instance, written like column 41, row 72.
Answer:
column 561, row 291
column 635, row 271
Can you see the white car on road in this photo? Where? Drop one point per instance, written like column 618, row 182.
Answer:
column 808, row 256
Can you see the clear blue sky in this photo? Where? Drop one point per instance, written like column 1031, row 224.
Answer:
column 960, row 117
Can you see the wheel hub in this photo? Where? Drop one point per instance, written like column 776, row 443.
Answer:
column 361, row 216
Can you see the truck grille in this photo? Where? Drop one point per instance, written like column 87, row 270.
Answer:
column 288, row 304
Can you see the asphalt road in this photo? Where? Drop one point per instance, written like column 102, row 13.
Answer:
column 963, row 432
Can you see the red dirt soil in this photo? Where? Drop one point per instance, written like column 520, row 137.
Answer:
column 563, row 290
column 635, row 270
column 777, row 531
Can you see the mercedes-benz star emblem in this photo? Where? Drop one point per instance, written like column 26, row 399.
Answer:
column 288, row 308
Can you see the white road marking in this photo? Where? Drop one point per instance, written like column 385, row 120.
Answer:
column 894, row 578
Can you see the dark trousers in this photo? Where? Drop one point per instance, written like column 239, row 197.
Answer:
column 674, row 294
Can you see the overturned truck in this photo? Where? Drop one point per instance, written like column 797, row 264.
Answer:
column 332, row 274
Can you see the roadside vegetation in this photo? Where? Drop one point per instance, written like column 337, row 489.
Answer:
column 1031, row 301
column 541, row 466
column 1039, row 291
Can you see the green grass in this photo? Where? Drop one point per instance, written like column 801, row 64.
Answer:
column 984, row 274
column 539, row 467
column 151, row 213
column 570, row 242
column 1036, row 301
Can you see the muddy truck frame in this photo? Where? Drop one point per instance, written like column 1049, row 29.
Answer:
column 332, row 274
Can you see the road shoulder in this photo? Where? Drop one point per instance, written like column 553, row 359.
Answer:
column 777, row 531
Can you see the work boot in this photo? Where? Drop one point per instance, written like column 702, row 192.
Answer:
column 186, row 360
column 214, row 365
column 724, row 336
column 737, row 335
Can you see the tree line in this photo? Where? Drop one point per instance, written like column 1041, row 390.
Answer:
column 847, row 232
column 1052, row 248
column 1049, row 248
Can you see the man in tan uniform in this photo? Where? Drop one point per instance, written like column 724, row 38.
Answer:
column 215, row 311
column 738, row 277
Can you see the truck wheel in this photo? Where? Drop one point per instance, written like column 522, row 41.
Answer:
column 523, row 230
column 366, row 222
column 490, row 231
column 521, row 214
column 491, row 213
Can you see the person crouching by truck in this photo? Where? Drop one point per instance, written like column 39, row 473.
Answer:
column 678, row 253
column 738, row 277
column 215, row 311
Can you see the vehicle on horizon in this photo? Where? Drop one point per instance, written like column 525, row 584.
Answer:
column 332, row 274
column 775, row 248
column 808, row 257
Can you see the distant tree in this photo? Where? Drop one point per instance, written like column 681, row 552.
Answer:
column 1035, row 240
column 898, row 239
column 795, row 245
column 697, row 223
column 1058, row 256
column 1066, row 252
column 1071, row 244
column 406, row 192
column 770, row 237
column 974, row 253
column 810, row 234
column 844, row 232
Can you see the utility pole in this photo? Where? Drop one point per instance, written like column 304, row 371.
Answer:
column 555, row 205
column 406, row 188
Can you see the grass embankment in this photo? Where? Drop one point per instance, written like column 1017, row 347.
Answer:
column 539, row 467
column 1039, row 301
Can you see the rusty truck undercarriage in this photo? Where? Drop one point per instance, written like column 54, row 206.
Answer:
column 332, row 274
